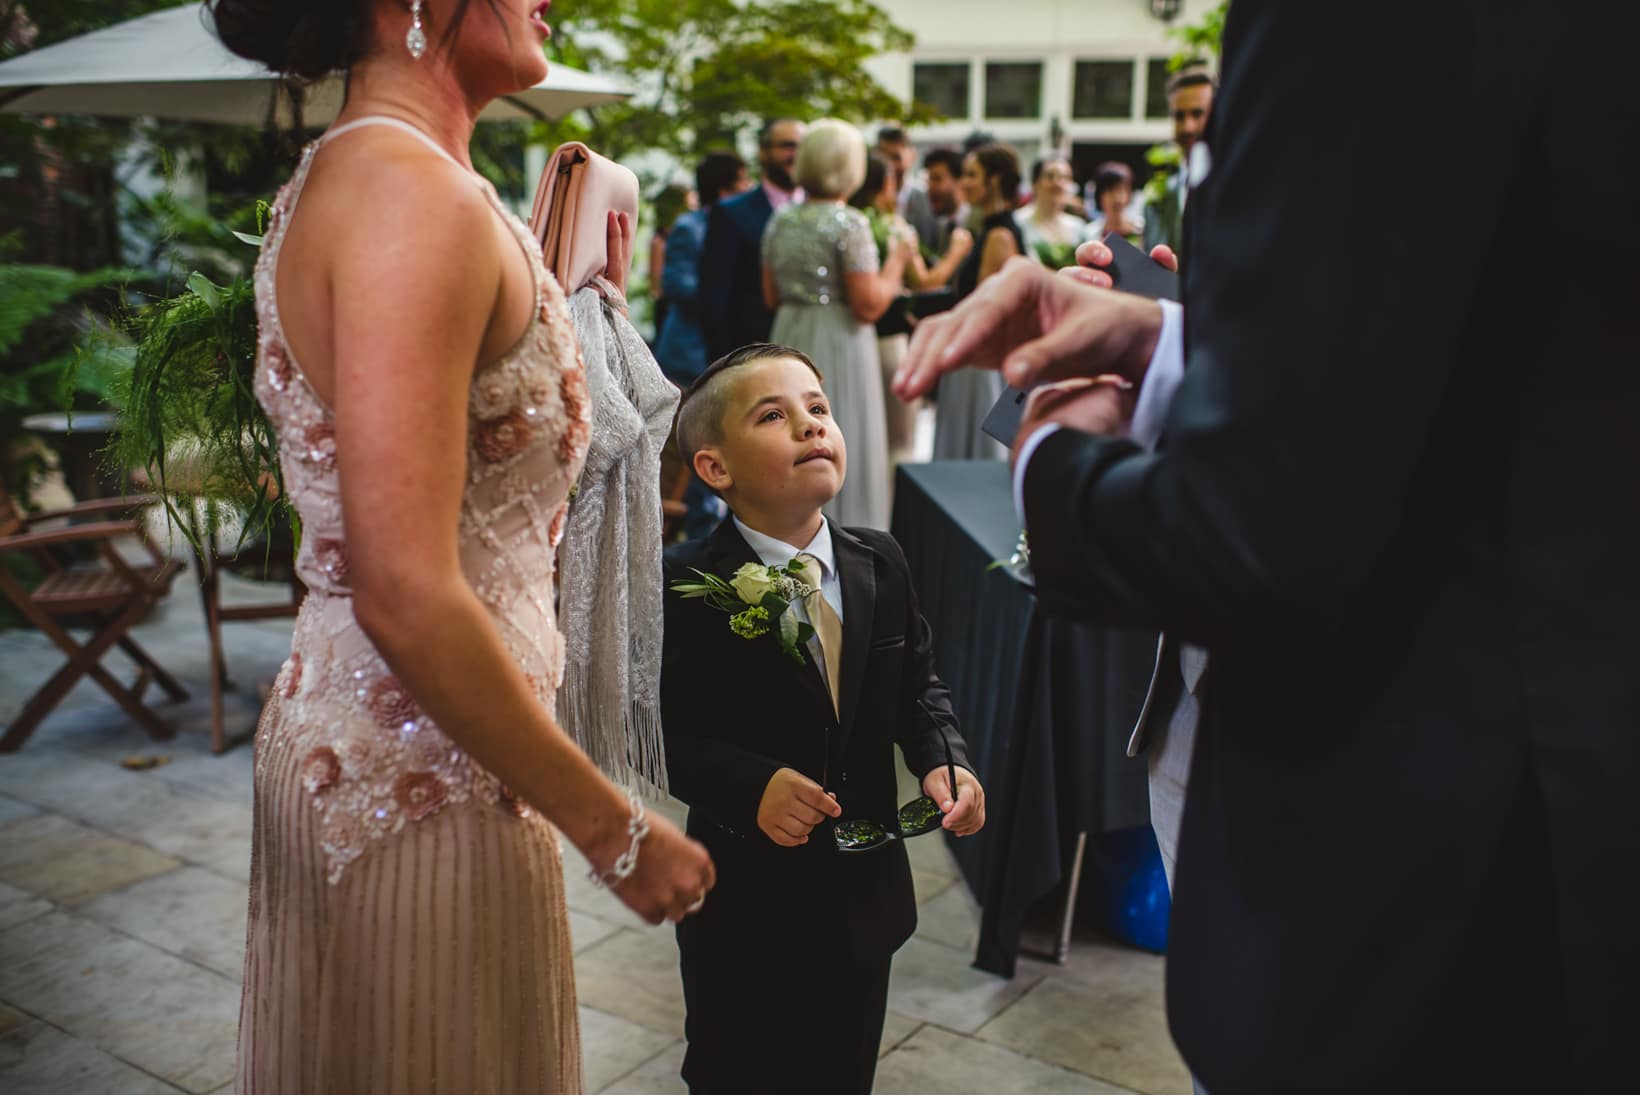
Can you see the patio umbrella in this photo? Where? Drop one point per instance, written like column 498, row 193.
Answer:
column 169, row 64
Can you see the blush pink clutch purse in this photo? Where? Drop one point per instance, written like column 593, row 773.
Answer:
column 577, row 192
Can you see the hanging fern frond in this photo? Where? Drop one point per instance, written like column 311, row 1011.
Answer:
column 190, row 415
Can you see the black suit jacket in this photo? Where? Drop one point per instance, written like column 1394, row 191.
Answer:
column 731, row 274
column 1399, row 499
column 737, row 710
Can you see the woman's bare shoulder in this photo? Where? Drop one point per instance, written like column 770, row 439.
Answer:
column 380, row 193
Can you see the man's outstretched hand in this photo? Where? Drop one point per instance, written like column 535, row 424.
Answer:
column 1092, row 258
column 1035, row 327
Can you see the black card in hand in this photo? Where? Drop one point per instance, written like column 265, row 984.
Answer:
column 1133, row 271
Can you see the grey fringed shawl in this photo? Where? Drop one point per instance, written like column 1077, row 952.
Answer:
column 609, row 564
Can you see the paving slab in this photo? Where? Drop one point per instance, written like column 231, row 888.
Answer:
column 192, row 913
column 935, row 984
column 613, row 1047
column 160, row 1013
column 935, row 1060
column 53, row 857
column 38, row 1059
column 634, row 975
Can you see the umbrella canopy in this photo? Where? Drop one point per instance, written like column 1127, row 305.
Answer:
column 169, row 64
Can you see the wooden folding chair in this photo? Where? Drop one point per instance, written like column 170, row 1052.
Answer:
column 111, row 594
column 259, row 562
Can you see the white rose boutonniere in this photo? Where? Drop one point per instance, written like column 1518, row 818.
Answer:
column 758, row 600
column 753, row 583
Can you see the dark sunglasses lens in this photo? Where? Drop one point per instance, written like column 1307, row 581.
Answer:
column 919, row 817
column 859, row 836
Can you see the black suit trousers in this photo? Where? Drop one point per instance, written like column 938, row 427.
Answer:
column 804, row 1028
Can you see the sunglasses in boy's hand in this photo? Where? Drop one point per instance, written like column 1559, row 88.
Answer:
column 917, row 817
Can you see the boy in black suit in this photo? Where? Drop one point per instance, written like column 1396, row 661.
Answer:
column 777, row 752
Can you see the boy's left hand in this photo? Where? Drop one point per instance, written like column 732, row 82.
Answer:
column 966, row 815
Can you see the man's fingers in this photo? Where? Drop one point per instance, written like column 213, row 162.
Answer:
column 1056, row 355
column 920, row 369
column 1094, row 253
column 1082, row 275
column 1163, row 254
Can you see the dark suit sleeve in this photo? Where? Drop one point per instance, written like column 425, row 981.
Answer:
column 717, row 277
column 926, row 721
column 713, row 775
column 680, row 279
column 1322, row 318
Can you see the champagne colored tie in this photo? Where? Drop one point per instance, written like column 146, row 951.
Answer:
column 827, row 627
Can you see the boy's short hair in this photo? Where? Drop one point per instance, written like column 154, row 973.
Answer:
column 700, row 414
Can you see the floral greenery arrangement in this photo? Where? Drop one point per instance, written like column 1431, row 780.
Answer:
column 1056, row 256
column 190, row 418
column 758, row 600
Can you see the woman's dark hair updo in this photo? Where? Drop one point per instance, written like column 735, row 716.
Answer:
column 304, row 38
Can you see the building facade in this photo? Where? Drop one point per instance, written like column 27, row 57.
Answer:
column 1086, row 77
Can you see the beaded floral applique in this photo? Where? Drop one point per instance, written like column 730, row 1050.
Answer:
column 367, row 757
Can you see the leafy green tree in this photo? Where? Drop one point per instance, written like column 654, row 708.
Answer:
column 1202, row 40
column 706, row 70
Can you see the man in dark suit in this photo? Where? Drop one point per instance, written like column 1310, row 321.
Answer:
column 785, row 968
column 1395, row 499
column 731, row 260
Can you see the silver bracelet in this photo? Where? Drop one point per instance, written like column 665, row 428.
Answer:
column 637, row 827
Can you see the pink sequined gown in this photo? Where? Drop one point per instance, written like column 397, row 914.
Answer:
column 407, row 923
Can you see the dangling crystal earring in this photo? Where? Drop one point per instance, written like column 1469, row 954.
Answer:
column 416, row 40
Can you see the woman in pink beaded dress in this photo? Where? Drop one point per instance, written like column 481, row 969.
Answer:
column 407, row 923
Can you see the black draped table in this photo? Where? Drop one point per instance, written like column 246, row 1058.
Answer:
column 1045, row 705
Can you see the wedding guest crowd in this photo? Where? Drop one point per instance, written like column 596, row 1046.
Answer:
column 823, row 279
column 680, row 345
column 735, row 265
column 1050, row 232
column 733, row 312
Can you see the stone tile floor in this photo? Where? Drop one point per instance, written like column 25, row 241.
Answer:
column 122, row 913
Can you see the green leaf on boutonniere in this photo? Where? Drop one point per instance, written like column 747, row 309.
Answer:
column 788, row 636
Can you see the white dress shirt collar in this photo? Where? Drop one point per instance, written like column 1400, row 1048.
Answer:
column 777, row 553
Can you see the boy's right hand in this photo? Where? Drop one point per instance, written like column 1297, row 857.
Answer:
column 792, row 806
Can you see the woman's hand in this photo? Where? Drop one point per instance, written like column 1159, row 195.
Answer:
column 673, row 876
column 905, row 243
column 618, row 248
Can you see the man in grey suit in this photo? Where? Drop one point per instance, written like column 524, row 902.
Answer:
column 1190, row 104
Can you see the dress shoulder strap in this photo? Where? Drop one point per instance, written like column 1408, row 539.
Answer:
column 395, row 123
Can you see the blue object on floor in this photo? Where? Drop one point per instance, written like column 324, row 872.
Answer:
column 1129, row 887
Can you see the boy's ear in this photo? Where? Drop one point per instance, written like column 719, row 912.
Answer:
column 709, row 465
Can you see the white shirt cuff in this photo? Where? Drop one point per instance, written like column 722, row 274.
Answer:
column 1026, row 450
column 1162, row 378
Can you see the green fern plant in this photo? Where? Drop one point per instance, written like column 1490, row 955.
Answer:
column 54, row 351
column 190, row 418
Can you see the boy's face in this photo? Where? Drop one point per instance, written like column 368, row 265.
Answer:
column 780, row 450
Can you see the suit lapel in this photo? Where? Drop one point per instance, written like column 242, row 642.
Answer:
column 730, row 552
column 857, row 570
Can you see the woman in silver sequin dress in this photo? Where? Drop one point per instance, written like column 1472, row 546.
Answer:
column 407, row 929
column 820, row 271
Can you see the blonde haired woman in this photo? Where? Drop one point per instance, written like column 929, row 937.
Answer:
column 820, row 271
